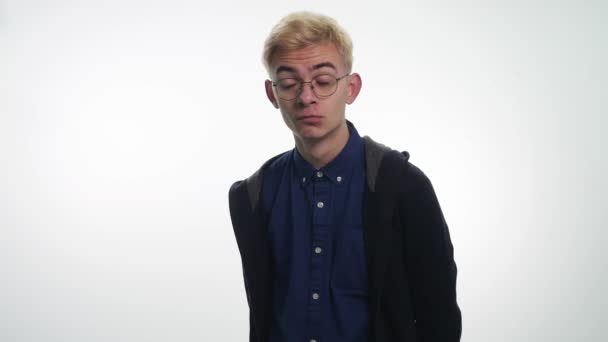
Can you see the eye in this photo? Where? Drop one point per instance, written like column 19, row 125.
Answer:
column 287, row 83
column 324, row 80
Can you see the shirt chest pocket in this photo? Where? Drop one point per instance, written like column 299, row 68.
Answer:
column 349, row 272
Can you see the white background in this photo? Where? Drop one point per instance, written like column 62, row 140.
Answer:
column 123, row 124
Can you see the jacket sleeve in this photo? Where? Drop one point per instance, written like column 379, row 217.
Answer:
column 236, row 205
column 430, row 262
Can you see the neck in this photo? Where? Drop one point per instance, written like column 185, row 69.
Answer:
column 322, row 151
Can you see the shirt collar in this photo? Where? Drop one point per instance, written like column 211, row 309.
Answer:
column 339, row 170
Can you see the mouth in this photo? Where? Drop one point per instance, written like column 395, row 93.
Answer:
column 310, row 119
column 309, row 116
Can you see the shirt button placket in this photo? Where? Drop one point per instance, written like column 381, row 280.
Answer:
column 321, row 189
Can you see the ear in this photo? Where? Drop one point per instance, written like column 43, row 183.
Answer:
column 354, row 86
column 270, row 94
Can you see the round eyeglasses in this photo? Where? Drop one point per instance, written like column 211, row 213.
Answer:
column 322, row 86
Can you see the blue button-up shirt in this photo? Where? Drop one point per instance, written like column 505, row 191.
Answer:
column 316, row 235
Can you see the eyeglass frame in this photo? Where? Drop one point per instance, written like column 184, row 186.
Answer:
column 301, row 88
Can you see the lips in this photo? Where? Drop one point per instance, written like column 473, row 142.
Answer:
column 310, row 119
column 306, row 116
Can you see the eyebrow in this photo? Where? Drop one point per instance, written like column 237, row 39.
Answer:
column 285, row 68
column 324, row 65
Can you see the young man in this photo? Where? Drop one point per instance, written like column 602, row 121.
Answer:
column 341, row 238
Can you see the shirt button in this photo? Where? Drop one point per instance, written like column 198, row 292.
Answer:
column 320, row 205
column 318, row 250
column 319, row 174
column 339, row 179
column 313, row 340
column 315, row 296
column 303, row 179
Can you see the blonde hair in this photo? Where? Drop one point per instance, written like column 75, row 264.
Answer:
column 302, row 29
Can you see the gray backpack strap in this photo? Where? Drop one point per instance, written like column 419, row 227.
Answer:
column 374, row 152
column 254, row 187
column 254, row 182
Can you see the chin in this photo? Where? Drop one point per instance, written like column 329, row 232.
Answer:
column 311, row 132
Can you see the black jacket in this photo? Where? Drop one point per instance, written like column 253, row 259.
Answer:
column 412, row 274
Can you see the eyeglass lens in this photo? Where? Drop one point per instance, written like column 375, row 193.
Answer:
column 322, row 86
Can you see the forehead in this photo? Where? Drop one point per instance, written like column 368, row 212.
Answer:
column 305, row 59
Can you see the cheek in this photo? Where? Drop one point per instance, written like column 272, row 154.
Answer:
column 339, row 98
column 285, row 109
column 337, row 105
column 287, row 118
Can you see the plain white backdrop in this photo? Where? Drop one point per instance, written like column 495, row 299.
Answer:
column 124, row 123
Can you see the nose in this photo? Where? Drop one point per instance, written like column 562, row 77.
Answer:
column 306, row 94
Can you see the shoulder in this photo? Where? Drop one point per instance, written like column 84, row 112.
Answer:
column 252, row 185
column 389, row 169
